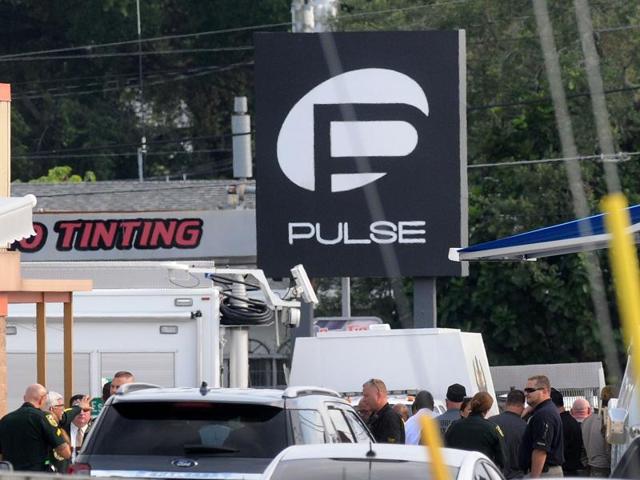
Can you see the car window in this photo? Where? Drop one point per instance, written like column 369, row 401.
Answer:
column 341, row 426
column 307, row 427
column 353, row 469
column 358, row 428
column 182, row 428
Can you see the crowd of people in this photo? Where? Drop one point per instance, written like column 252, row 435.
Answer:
column 534, row 436
column 44, row 434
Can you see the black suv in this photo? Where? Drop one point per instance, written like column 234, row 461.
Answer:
column 211, row 433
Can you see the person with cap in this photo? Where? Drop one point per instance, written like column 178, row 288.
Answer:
column 572, row 436
column 422, row 405
column 512, row 426
column 28, row 434
column 542, row 449
column 385, row 424
column 476, row 433
column 580, row 409
column 454, row 398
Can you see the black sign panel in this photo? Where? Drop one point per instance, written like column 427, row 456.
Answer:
column 361, row 153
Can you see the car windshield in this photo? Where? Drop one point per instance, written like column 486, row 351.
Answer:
column 356, row 469
column 191, row 428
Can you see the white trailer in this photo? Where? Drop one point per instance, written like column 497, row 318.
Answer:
column 165, row 336
column 407, row 360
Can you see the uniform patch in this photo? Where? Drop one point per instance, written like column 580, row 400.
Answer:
column 52, row 421
column 499, row 430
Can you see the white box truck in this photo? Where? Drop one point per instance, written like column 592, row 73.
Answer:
column 407, row 360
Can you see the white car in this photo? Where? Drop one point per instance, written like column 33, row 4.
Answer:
column 375, row 461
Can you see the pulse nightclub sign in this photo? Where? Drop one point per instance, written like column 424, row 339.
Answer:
column 361, row 153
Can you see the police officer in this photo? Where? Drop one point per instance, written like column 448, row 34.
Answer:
column 542, row 450
column 28, row 434
column 475, row 433
column 385, row 424
column 64, row 417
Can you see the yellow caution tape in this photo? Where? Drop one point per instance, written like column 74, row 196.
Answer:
column 431, row 438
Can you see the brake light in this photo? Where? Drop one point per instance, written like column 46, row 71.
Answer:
column 79, row 469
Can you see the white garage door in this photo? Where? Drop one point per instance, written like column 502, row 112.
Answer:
column 152, row 367
column 21, row 372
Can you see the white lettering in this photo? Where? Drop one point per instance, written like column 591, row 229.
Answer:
column 294, row 236
column 382, row 235
column 405, row 230
column 380, row 232
column 351, row 241
column 334, row 241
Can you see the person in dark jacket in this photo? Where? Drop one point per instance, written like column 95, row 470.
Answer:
column 385, row 424
column 477, row 433
column 512, row 426
column 572, row 439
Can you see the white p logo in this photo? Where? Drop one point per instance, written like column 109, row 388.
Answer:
column 311, row 127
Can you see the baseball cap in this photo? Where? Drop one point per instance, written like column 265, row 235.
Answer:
column 557, row 398
column 456, row 393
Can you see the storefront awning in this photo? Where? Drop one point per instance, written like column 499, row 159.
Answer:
column 16, row 220
column 571, row 237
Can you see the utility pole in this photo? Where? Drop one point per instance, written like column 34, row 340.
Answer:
column 5, row 192
column 142, row 149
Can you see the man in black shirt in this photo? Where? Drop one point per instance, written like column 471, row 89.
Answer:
column 28, row 434
column 572, row 438
column 541, row 451
column 385, row 424
column 513, row 427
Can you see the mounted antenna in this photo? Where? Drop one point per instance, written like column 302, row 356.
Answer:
column 370, row 453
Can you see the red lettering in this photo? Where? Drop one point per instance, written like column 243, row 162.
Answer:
column 163, row 233
column 143, row 237
column 104, row 235
column 35, row 242
column 127, row 230
column 85, row 238
column 189, row 233
column 68, row 229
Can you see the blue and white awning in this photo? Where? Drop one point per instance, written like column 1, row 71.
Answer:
column 571, row 237
column 16, row 219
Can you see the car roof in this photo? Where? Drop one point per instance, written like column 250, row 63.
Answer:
column 142, row 393
column 384, row 451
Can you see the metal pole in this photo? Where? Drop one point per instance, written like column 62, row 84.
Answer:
column 424, row 302
column 238, row 343
column 346, row 297
column 143, row 140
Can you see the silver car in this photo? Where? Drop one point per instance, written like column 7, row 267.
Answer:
column 211, row 433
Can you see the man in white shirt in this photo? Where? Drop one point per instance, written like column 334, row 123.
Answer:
column 422, row 405
column 78, row 428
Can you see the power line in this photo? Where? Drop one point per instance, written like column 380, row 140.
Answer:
column 618, row 157
column 178, row 77
column 127, row 54
column 120, row 154
column 146, row 40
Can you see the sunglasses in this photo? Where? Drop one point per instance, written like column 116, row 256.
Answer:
column 531, row 390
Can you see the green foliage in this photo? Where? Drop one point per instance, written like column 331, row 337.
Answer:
column 62, row 174
column 87, row 114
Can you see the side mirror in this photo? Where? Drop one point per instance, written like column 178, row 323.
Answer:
column 6, row 466
column 616, row 425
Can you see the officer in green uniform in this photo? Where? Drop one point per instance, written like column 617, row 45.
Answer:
column 63, row 417
column 28, row 434
column 477, row 433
